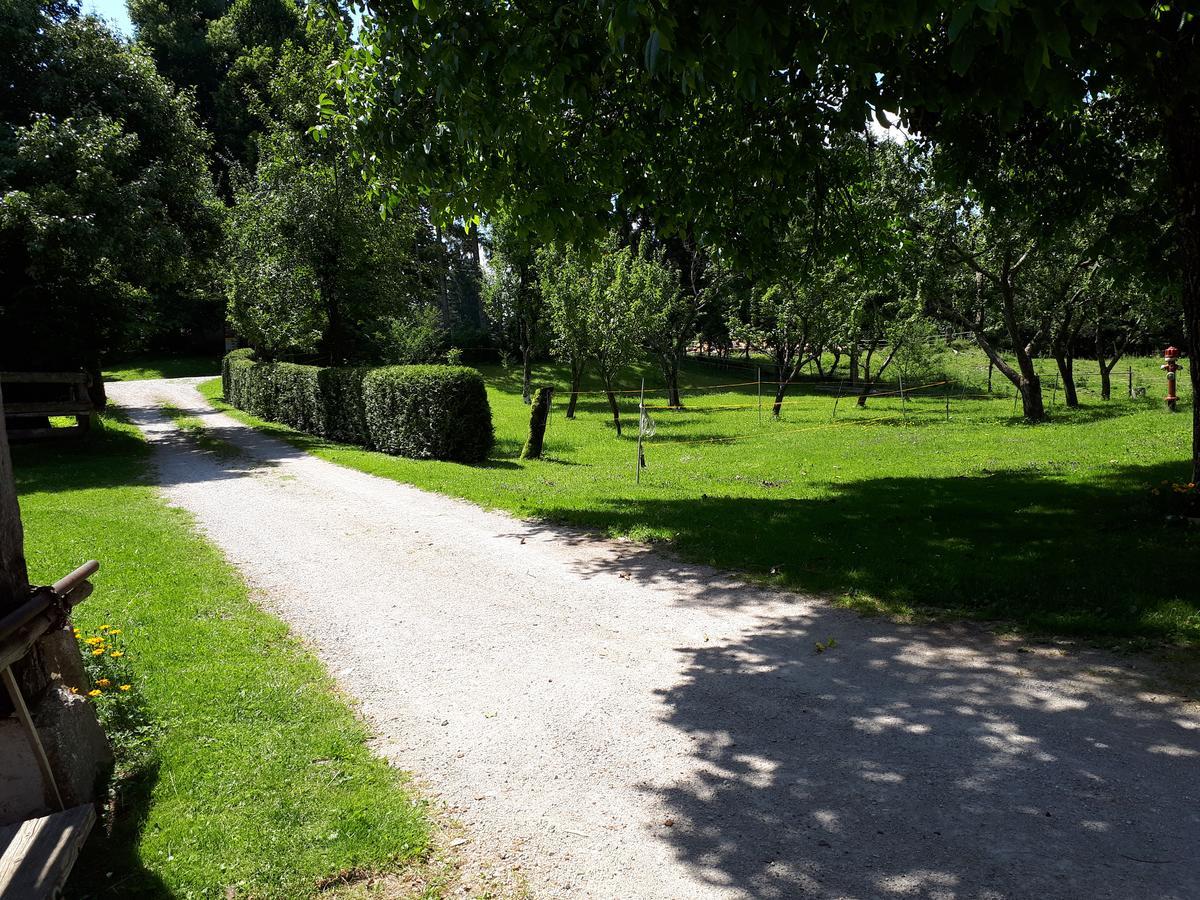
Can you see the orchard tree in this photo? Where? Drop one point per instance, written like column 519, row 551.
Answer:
column 565, row 279
column 789, row 321
column 609, row 101
column 614, row 316
column 512, row 295
column 108, row 220
column 670, row 313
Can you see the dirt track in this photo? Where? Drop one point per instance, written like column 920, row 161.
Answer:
column 620, row 724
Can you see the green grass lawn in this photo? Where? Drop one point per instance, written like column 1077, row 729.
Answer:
column 255, row 779
column 1053, row 528
column 143, row 367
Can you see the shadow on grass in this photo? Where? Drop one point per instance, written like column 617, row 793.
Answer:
column 110, row 865
column 1044, row 553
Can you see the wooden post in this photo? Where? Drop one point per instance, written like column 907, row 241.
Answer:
column 991, row 365
column 1054, row 393
column 1131, row 382
column 14, row 578
column 903, row 402
column 637, row 466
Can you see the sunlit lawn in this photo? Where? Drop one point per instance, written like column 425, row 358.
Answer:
column 1051, row 527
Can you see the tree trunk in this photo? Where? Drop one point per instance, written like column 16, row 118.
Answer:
column 779, row 392
column 670, row 368
column 612, row 404
column 854, row 363
column 1183, row 136
column 576, row 375
column 538, row 416
column 526, row 372
column 1105, row 382
column 1025, row 381
column 1066, row 370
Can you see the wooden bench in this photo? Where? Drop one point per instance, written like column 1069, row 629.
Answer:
column 73, row 400
column 36, row 855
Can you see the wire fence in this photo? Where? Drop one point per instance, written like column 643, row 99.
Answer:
column 756, row 414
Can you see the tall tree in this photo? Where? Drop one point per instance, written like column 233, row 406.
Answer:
column 108, row 219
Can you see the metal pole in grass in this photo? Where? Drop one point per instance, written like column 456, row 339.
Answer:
column 1131, row 382
column 1016, row 393
column 946, row 379
column 1054, row 393
column 838, row 398
column 760, row 395
column 637, row 463
column 903, row 402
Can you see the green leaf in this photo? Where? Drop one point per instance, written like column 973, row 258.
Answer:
column 959, row 20
column 1034, row 57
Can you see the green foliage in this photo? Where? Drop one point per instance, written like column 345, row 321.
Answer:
column 231, row 52
column 428, row 412
column 312, row 269
column 107, row 218
column 422, row 411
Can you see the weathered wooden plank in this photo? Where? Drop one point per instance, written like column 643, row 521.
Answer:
column 44, row 378
column 14, row 582
column 36, row 856
column 49, row 408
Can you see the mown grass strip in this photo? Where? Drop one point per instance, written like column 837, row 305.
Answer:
column 258, row 781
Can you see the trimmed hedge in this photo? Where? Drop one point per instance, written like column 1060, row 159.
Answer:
column 428, row 412
column 424, row 412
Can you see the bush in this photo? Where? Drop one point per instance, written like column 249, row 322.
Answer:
column 342, row 397
column 424, row 412
column 428, row 412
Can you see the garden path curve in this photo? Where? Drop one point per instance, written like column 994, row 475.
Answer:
column 619, row 724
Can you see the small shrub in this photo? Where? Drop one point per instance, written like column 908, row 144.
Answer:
column 429, row 412
column 112, row 689
column 232, row 365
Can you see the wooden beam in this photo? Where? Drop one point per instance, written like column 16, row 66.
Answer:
column 36, row 856
column 44, row 378
column 14, row 577
column 50, row 408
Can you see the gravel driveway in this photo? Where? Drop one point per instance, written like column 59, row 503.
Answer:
column 619, row 724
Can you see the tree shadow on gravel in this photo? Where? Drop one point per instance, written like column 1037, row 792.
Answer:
column 906, row 762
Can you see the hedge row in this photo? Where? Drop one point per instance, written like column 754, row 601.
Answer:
column 424, row 412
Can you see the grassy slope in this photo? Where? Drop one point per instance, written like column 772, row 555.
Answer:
column 259, row 778
column 143, row 367
column 1052, row 527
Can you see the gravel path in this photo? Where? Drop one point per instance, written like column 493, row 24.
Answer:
column 619, row 724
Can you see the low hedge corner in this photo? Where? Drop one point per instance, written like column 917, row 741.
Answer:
column 422, row 412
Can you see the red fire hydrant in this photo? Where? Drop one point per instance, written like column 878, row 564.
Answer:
column 1171, row 366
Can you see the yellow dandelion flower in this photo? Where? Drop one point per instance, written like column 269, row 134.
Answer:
column 94, row 640
column 103, row 682
column 94, row 693
column 98, row 652
column 116, row 653
column 125, row 687
column 74, row 690
column 115, row 631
